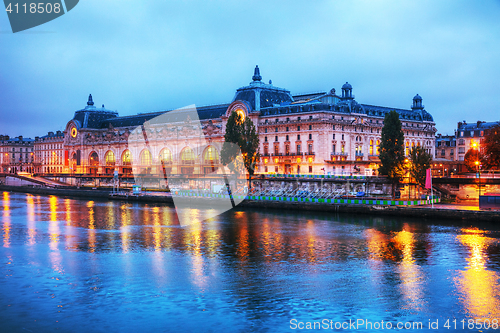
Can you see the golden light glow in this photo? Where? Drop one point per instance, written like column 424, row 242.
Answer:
column 299, row 160
column 275, row 160
column 477, row 283
column 74, row 132
column 265, row 160
column 241, row 113
column 410, row 273
column 6, row 219
column 310, row 159
column 30, row 205
column 91, row 231
column 477, row 162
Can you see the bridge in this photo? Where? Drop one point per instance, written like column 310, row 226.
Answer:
column 26, row 179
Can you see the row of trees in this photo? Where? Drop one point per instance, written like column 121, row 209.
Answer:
column 394, row 163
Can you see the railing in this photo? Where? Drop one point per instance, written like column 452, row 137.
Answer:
column 339, row 153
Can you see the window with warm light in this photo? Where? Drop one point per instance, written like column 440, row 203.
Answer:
column 110, row 158
column 211, row 155
column 127, row 157
column 146, row 157
column 187, row 156
column 165, row 156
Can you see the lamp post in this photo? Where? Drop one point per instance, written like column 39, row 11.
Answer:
column 478, row 167
column 408, row 176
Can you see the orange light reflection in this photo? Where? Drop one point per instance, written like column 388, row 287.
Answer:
column 478, row 285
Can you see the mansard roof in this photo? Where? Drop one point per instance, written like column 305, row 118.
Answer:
column 204, row 113
column 478, row 125
column 346, row 108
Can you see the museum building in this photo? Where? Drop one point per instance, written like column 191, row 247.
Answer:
column 320, row 133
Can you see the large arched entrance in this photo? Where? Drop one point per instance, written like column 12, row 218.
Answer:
column 146, row 161
column 165, row 158
column 93, row 163
column 187, row 161
column 210, row 160
column 110, row 162
column 126, row 162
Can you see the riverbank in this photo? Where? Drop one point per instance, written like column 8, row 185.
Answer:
column 426, row 212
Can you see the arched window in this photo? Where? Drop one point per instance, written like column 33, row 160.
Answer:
column 110, row 158
column 146, row 157
column 127, row 157
column 187, row 156
column 94, row 159
column 371, row 147
column 377, row 147
column 210, row 156
column 165, row 156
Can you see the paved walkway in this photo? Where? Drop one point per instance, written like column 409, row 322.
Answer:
column 453, row 206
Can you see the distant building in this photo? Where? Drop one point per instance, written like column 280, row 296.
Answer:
column 472, row 134
column 16, row 154
column 446, row 147
column 320, row 133
column 49, row 153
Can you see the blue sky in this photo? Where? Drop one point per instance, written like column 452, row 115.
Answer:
column 143, row 56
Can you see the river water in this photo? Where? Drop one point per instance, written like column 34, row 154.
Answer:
column 71, row 265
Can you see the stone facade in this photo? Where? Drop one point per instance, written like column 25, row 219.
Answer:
column 16, row 154
column 321, row 133
column 49, row 153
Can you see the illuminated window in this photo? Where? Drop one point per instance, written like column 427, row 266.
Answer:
column 211, row 156
column 94, row 159
column 127, row 157
column 187, row 156
column 110, row 158
column 377, row 147
column 146, row 157
column 371, row 147
column 165, row 156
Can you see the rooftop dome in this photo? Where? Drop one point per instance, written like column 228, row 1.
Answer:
column 347, row 86
column 417, row 97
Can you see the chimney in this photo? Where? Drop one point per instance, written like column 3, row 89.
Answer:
column 459, row 124
column 20, row 138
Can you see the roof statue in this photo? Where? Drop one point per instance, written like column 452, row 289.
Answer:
column 256, row 74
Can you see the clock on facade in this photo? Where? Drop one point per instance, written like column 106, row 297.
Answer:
column 74, row 132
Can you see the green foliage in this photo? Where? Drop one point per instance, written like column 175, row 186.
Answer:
column 392, row 148
column 420, row 162
column 471, row 157
column 249, row 144
column 241, row 143
column 491, row 146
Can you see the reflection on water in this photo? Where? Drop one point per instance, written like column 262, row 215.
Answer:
column 410, row 273
column 6, row 219
column 252, row 267
column 478, row 284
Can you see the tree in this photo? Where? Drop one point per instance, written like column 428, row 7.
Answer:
column 249, row 145
column 392, row 149
column 471, row 157
column 420, row 162
column 241, row 143
column 230, row 148
column 491, row 146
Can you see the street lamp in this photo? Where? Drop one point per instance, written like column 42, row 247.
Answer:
column 478, row 166
column 478, row 169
